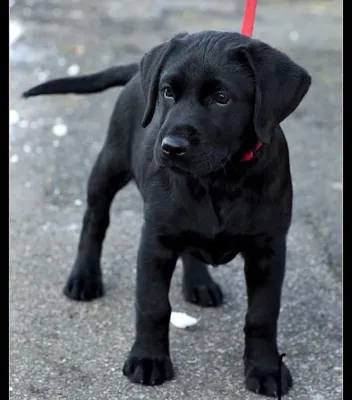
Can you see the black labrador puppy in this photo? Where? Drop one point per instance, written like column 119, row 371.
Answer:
column 197, row 128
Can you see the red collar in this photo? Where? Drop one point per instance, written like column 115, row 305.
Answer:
column 248, row 156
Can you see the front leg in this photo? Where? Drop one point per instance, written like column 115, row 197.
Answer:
column 149, row 360
column 264, row 271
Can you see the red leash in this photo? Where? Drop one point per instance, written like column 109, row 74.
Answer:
column 247, row 29
column 249, row 17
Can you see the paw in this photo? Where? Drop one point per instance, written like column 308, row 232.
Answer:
column 148, row 370
column 263, row 380
column 204, row 294
column 84, row 287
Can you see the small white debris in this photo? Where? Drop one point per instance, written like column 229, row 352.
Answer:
column 72, row 227
column 23, row 124
column 14, row 159
column 14, row 117
column 27, row 148
column 10, row 389
column 73, row 70
column 182, row 320
column 337, row 186
column 15, row 32
column 56, row 191
column 59, row 130
column 294, row 36
column 42, row 76
column 78, row 202
column 27, row 185
column 56, row 143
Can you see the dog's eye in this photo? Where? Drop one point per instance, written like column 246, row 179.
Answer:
column 168, row 92
column 221, row 98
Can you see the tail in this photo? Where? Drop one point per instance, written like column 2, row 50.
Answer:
column 114, row 76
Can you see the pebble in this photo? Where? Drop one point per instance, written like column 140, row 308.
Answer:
column 73, row 70
column 294, row 36
column 15, row 31
column 14, row 158
column 14, row 117
column 27, row 148
column 23, row 124
column 59, row 130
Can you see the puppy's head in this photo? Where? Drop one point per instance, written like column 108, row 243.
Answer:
column 213, row 95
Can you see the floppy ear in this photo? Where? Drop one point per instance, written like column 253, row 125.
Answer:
column 151, row 66
column 280, row 85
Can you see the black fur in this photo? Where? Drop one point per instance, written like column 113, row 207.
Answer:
column 114, row 76
column 203, row 100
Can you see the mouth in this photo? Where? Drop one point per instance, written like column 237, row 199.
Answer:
column 178, row 170
column 198, row 167
column 164, row 162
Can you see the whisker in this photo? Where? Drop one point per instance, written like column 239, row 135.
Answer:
column 229, row 159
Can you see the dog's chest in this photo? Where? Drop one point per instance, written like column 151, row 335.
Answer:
column 215, row 229
column 215, row 216
column 215, row 252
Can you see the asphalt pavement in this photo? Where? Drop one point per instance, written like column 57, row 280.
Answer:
column 65, row 350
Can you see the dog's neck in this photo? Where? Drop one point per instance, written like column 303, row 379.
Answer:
column 250, row 154
column 228, row 178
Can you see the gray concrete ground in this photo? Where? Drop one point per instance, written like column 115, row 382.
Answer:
column 66, row 350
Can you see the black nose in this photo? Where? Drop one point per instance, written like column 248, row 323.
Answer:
column 176, row 146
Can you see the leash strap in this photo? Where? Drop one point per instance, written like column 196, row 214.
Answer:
column 247, row 29
column 249, row 17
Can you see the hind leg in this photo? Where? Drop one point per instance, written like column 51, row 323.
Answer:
column 198, row 285
column 108, row 176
